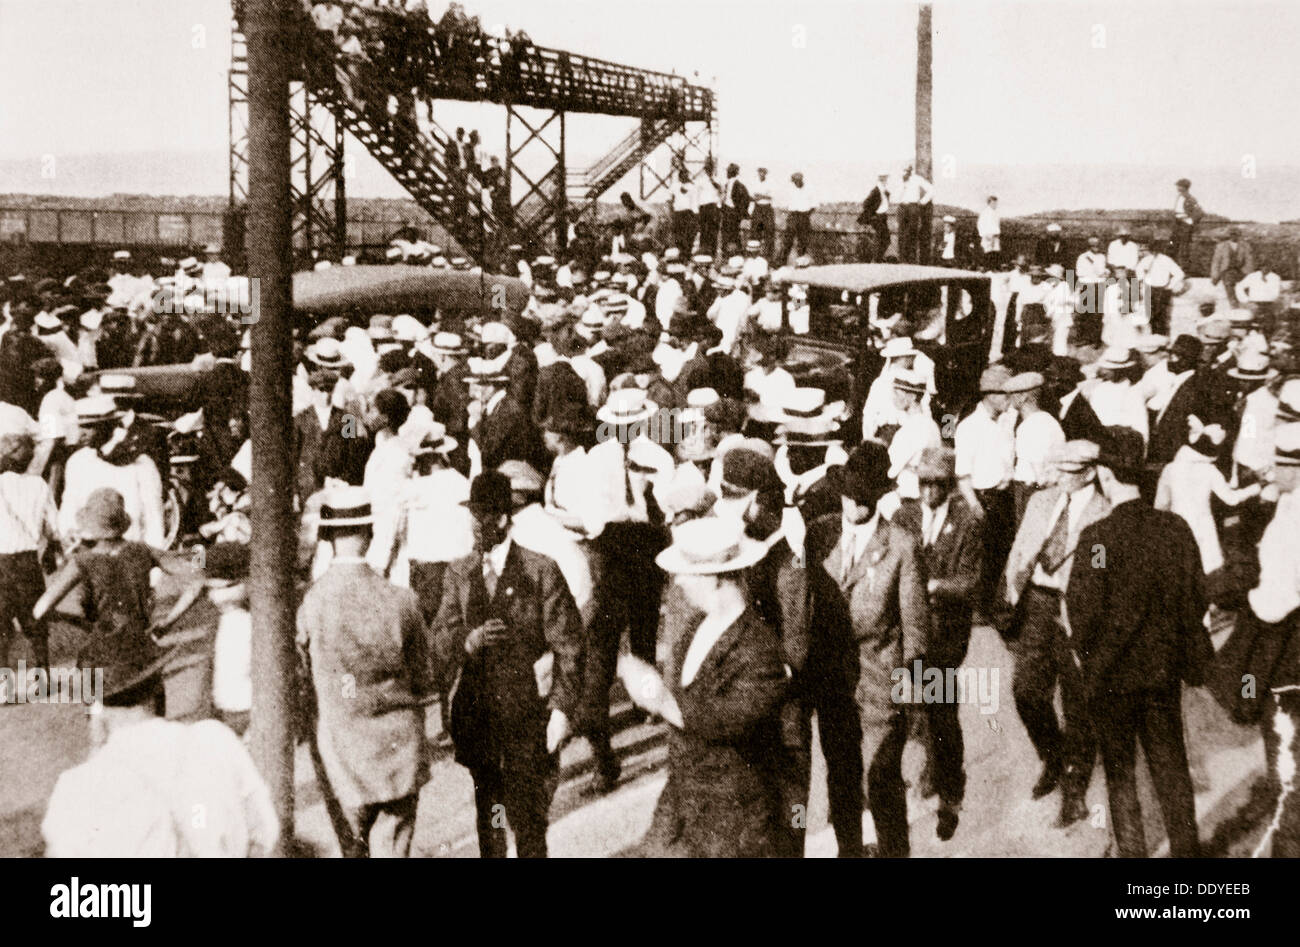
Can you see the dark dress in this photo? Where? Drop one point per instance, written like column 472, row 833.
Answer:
column 723, row 797
column 116, row 601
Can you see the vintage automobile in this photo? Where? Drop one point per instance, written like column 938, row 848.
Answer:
column 455, row 295
column 835, row 318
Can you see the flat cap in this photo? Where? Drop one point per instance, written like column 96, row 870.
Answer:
column 936, row 463
column 1075, row 455
column 994, row 379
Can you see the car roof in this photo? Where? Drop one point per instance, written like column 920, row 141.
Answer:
column 402, row 288
column 869, row 277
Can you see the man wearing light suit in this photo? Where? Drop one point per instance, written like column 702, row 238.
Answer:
column 877, row 593
column 1038, row 572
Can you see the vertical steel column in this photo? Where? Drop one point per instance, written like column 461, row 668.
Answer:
column 562, row 193
column 274, row 541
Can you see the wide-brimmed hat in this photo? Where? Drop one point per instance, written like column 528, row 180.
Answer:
column 406, row 328
column 327, row 353
column 1286, row 444
column 487, row 371
column 901, row 346
column 381, row 328
column 1151, row 344
column 345, row 506
column 627, row 406
column 97, row 409
column 1252, row 365
column 1288, row 401
column 435, row 440
column 103, row 516
column 1116, row 358
column 711, row 545
column 448, row 343
column 1076, row 455
column 1214, row 329
column 910, row 381
column 1025, row 381
column 524, row 477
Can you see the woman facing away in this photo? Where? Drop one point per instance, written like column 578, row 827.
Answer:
column 721, row 692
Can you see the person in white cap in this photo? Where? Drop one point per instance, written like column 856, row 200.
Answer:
column 755, row 266
column 722, row 692
column 1038, row 437
column 879, row 410
column 947, row 248
column 916, row 431
column 1059, row 302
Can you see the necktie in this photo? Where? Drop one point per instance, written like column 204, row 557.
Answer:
column 846, row 557
column 489, row 576
column 1055, row 550
column 627, row 483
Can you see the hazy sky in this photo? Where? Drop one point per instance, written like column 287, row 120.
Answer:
column 1185, row 83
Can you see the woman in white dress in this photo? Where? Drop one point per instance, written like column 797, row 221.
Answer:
column 1188, row 482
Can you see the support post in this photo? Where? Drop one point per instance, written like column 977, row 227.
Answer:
column 274, row 540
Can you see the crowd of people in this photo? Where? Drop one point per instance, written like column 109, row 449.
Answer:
column 492, row 502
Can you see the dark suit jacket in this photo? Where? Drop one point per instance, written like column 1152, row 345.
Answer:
column 953, row 563
column 1048, row 252
column 1170, row 432
column 450, row 402
column 492, row 696
column 723, row 798
column 1080, row 421
column 557, row 385
column 882, row 607
column 370, row 666
column 508, row 434
column 341, row 450
column 1136, row 620
column 871, row 206
column 740, row 196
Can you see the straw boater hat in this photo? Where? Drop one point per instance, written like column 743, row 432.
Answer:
column 327, row 353
column 49, row 322
column 103, row 516
column 710, row 546
column 1116, row 358
column 487, row 371
column 1288, row 402
column 1152, row 344
column 900, row 346
column 1025, row 381
column 1252, row 365
column 1074, row 456
column 436, row 441
column 381, row 328
column 627, row 406
column 909, row 380
column 407, row 328
column 97, row 409
column 993, row 380
column 1286, row 445
column 448, row 343
column 345, row 507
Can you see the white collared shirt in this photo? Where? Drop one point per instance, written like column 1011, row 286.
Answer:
column 986, row 448
column 914, row 190
column 495, row 558
column 1090, row 267
column 932, row 521
column 1077, row 503
column 799, row 200
column 1037, row 437
column 728, row 314
column 27, row 514
column 1122, row 253
column 1259, row 287
column 854, row 539
column 438, row 527
column 707, row 634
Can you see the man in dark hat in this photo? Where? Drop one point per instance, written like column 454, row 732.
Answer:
column 868, row 587
column 507, row 642
column 364, row 642
column 1136, row 627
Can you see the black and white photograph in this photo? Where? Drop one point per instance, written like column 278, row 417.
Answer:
column 649, row 429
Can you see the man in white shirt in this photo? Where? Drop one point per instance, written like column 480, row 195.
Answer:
column 1059, row 303
column 1116, row 399
column 913, row 194
column 1273, row 612
column 1260, row 290
column 798, row 220
column 729, row 312
column 1090, row 280
column 762, row 218
column 1163, row 279
column 915, row 433
column 1038, row 438
column 985, row 443
column 990, row 231
column 1123, row 251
